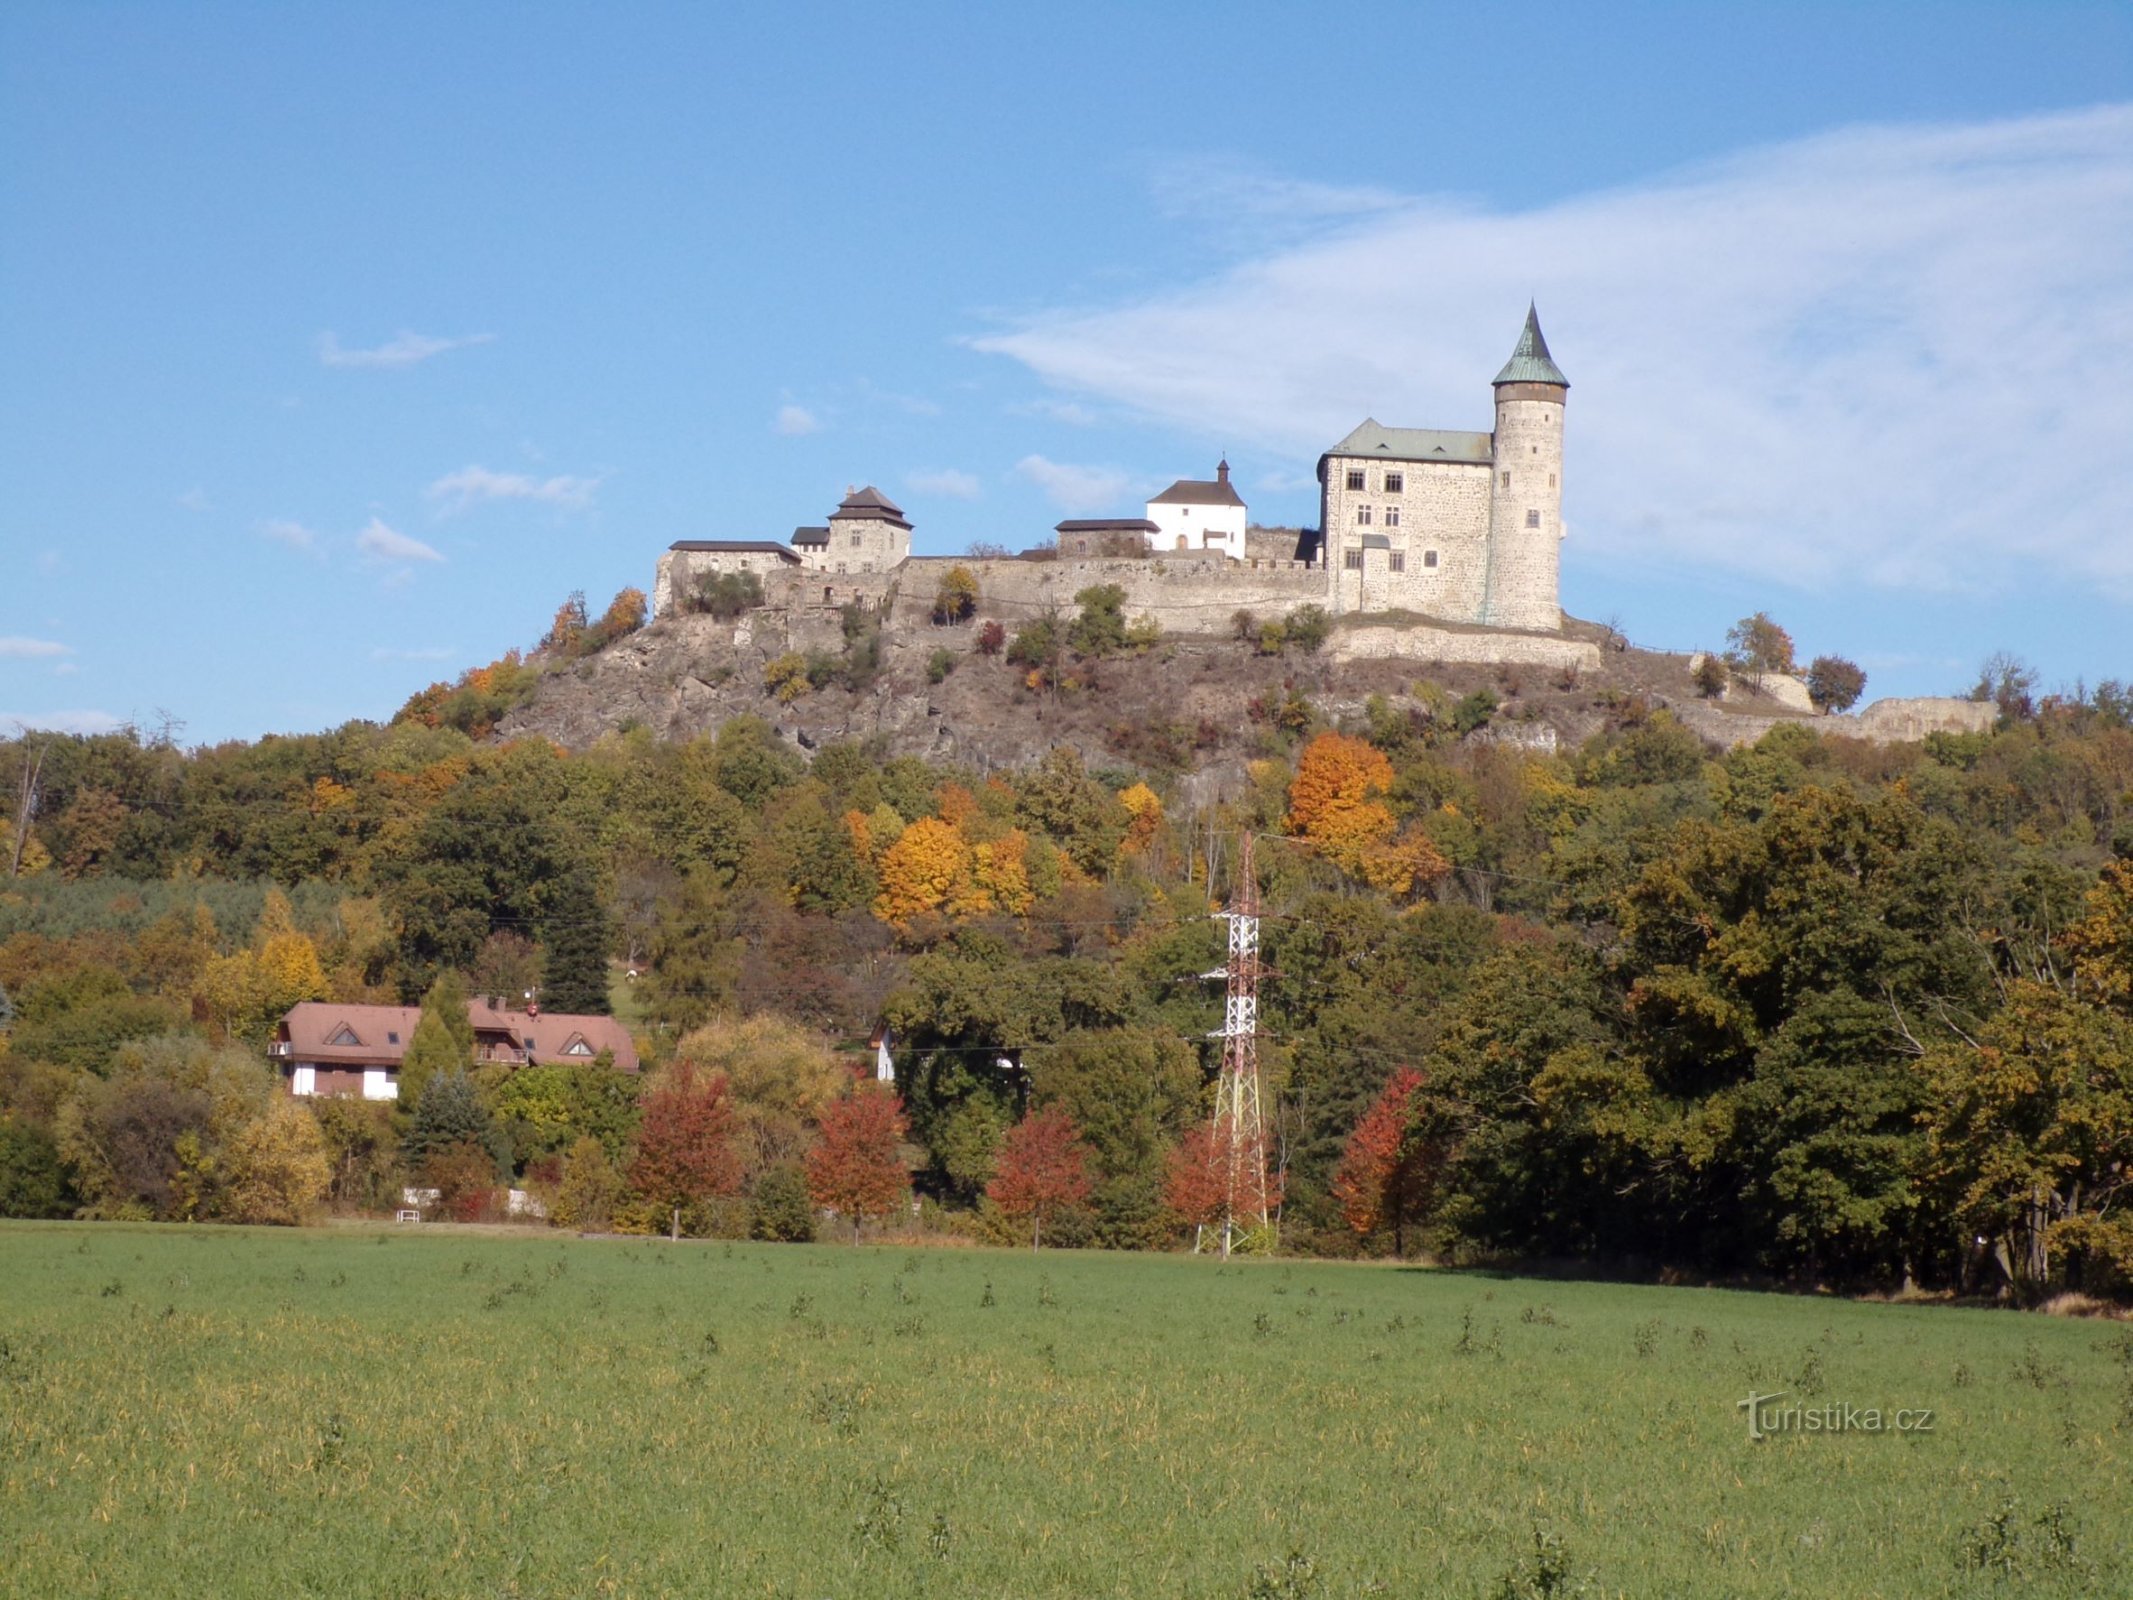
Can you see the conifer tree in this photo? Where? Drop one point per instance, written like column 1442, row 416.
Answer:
column 449, row 1113
column 443, row 1039
column 576, row 968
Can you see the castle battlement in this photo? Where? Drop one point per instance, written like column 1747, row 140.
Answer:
column 1464, row 527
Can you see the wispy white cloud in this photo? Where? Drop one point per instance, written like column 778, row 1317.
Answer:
column 292, row 534
column 15, row 647
column 419, row 653
column 1888, row 356
column 1075, row 488
column 62, row 721
column 403, row 349
column 949, row 484
column 386, row 544
column 795, row 422
column 1071, row 412
column 455, row 491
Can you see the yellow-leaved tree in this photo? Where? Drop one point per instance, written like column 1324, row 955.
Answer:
column 1336, row 802
column 926, row 869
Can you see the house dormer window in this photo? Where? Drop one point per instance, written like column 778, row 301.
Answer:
column 577, row 1046
column 344, row 1038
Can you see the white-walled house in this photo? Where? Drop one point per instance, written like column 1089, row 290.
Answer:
column 1198, row 514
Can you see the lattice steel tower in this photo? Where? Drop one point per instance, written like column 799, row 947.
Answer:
column 1240, row 1130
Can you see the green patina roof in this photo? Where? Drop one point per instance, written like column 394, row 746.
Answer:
column 1530, row 361
column 1373, row 438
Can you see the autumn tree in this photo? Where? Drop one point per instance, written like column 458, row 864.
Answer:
column 2030, row 1133
column 1336, row 802
column 1195, row 1187
column 1758, row 646
column 1384, row 1173
column 685, row 1152
column 2102, row 941
column 590, row 1186
column 957, row 598
column 779, row 1077
column 1834, row 684
column 277, row 1167
column 1042, row 1167
column 927, row 868
column 856, row 1167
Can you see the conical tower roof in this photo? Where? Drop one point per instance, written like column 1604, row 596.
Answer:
column 1530, row 361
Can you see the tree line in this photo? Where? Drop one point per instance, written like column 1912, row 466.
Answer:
column 1813, row 1010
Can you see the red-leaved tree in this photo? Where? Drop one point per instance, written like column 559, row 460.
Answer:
column 1385, row 1171
column 856, row 1166
column 1195, row 1185
column 685, row 1143
column 1042, row 1167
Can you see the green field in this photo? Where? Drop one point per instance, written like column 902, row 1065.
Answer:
column 363, row 1412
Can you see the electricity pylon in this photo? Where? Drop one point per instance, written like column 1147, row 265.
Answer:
column 1240, row 1129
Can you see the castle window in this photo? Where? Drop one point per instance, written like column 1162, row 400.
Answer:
column 1533, row 519
column 1395, row 482
column 1551, row 480
column 1352, row 560
column 1399, row 561
column 1392, row 516
column 1536, row 449
column 1429, row 558
column 1357, row 481
column 1362, row 516
column 857, row 540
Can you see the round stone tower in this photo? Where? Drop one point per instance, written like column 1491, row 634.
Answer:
column 1526, row 494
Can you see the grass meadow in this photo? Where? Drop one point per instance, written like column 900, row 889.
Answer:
column 434, row 1412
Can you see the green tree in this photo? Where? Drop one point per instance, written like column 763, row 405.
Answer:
column 579, row 940
column 450, row 1113
column 1100, row 630
column 443, row 1040
column 781, row 1210
column 1758, row 646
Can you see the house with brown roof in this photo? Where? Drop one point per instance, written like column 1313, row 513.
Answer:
column 1199, row 514
column 322, row 1048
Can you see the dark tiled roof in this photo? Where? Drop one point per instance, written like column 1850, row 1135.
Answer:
column 1107, row 525
column 871, row 505
column 802, row 536
column 1373, row 438
column 769, row 547
column 1198, row 492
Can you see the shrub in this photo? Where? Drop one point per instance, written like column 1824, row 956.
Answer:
column 1244, row 626
column 940, row 664
column 1711, row 676
column 1273, row 638
column 1474, row 711
column 992, row 638
column 1309, row 627
column 724, row 595
column 1100, row 630
column 782, row 1212
column 787, row 677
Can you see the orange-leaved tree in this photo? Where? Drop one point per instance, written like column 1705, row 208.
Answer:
column 2102, row 941
column 926, row 869
column 1043, row 1166
column 1385, row 1170
column 685, row 1150
column 856, row 1167
column 1336, row 802
column 1195, row 1186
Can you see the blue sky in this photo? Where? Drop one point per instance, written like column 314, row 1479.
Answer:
column 339, row 343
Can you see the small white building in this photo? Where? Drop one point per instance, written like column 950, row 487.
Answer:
column 1195, row 514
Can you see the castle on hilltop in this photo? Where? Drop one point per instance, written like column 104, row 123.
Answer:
column 1462, row 527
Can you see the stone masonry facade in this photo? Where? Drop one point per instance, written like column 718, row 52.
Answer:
column 1461, row 527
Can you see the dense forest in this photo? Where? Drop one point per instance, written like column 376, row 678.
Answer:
column 1814, row 1010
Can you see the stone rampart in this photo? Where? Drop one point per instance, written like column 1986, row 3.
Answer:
column 1418, row 641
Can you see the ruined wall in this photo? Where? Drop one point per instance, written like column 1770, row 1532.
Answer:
column 1417, row 641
